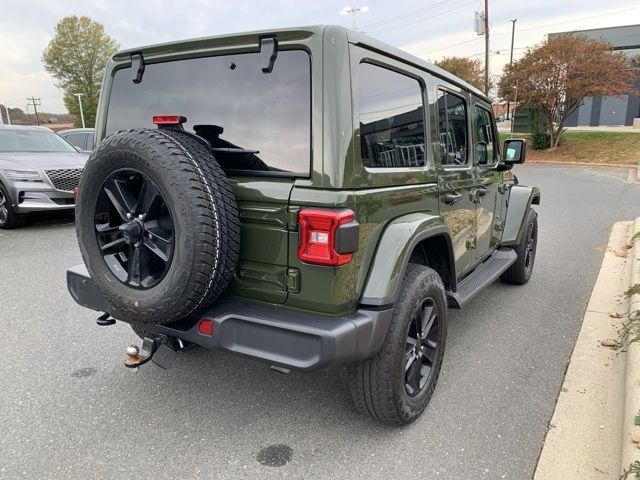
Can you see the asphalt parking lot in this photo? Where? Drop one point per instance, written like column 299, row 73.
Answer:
column 70, row 409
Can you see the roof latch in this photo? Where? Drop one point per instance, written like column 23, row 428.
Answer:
column 268, row 53
column 137, row 67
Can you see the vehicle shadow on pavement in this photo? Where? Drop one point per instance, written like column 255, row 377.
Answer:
column 249, row 391
column 42, row 219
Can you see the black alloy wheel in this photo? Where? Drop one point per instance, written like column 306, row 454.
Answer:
column 520, row 272
column 396, row 384
column 421, row 348
column 134, row 228
column 532, row 238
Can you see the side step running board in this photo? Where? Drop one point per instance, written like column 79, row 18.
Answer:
column 484, row 275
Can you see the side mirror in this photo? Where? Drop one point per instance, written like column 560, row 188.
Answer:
column 515, row 151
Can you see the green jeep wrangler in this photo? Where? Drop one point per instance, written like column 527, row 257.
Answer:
column 308, row 197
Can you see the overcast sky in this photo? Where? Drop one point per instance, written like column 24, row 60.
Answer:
column 430, row 29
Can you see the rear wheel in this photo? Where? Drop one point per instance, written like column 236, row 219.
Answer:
column 8, row 218
column 520, row 272
column 396, row 384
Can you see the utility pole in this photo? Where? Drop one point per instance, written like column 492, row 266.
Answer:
column 8, row 114
column 486, row 47
column 36, row 102
column 79, row 95
column 513, row 34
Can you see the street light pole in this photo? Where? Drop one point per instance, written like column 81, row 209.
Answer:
column 79, row 95
column 353, row 11
column 486, row 47
column 8, row 114
column 513, row 34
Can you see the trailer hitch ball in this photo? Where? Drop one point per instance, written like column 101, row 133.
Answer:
column 157, row 349
column 132, row 350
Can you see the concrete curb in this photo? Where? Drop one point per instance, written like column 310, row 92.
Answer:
column 583, row 441
column 630, row 451
column 580, row 164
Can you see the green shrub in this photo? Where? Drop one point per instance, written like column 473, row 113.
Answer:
column 540, row 139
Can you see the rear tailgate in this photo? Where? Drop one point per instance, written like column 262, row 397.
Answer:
column 264, row 219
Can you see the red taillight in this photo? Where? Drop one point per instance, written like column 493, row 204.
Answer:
column 168, row 119
column 318, row 236
column 205, row 327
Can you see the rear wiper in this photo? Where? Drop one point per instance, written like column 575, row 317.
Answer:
column 234, row 150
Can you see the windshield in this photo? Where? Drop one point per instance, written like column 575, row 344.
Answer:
column 254, row 121
column 32, row 141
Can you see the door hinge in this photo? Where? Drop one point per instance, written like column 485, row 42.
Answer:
column 499, row 225
column 292, row 218
column 502, row 188
column 293, row 280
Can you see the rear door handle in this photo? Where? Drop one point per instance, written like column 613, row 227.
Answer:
column 451, row 198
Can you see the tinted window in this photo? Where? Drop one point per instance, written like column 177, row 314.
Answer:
column 391, row 119
column 268, row 114
column 452, row 129
column 19, row 140
column 484, row 138
column 76, row 139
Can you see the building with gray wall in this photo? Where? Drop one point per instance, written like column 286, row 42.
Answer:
column 608, row 110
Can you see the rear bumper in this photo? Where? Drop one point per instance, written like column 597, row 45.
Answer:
column 281, row 337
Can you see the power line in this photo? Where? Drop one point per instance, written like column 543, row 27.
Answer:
column 533, row 28
column 405, row 15
column 569, row 21
column 450, row 46
column 424, row 18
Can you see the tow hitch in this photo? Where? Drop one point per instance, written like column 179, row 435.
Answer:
column 158, row 349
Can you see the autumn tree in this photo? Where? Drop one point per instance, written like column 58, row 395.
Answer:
column 471, row 71
column 557, row 76
column 77, row 57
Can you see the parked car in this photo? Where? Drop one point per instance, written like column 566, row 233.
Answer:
column 38, row 172
column 81, row 138
column 307, row 214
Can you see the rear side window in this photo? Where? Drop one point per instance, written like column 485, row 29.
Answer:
column 391, row 118
column 452, row 129
column 261, row 121
column 76, row 139
column 484, row 137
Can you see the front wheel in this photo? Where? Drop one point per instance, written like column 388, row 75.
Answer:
column 396, row 384
column 8, row 218
column 520, row 272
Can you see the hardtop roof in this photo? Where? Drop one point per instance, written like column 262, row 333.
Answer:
column 291, row 34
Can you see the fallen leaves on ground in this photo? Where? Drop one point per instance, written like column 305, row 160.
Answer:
column 635, row 289
column 616, row 315
column 610, row 342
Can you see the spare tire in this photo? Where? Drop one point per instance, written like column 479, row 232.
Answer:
column 157, row 224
